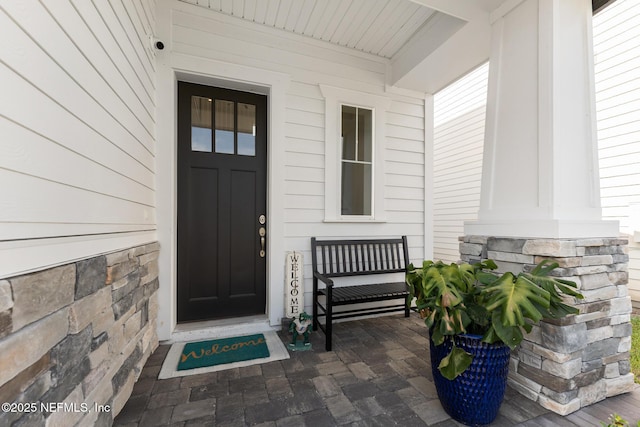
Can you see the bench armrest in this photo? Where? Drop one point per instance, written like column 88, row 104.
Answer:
column 323, row 278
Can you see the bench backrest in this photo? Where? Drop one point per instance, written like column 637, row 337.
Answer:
column 336, row 258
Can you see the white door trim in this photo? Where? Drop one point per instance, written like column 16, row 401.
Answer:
column 172, row 67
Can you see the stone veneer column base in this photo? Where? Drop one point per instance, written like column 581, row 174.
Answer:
column 570, row 363
column 76, row 337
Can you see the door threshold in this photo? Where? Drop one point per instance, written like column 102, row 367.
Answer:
column 212, row 329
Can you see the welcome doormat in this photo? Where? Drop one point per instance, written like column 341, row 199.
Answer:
column 222, row 353
column 225, row 350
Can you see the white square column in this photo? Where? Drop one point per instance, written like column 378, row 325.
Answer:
column 540, row 169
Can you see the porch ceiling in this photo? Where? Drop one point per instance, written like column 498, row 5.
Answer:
column 380, row 27
column 404, row 32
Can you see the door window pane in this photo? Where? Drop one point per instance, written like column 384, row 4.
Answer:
column 200, row 124
column 356, row 189
column 225, row 127
column 246, row 129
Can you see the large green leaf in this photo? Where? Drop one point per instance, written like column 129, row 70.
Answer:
column 513, row 300
column 510, row 335
column 455, row 363
column 555, row 286
column 439, row 292
column 478, row 315
column 515, row 297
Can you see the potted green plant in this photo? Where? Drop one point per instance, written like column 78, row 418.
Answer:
column 475, row 317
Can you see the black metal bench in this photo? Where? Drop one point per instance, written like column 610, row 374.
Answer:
column 343, row 258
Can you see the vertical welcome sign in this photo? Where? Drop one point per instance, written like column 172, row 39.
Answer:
column 294, row 297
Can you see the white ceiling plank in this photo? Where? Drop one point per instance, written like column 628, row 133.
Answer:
column 351, row 16
column 357, row 31
column 294, row 15
column 329, row 11
column 305, row 14
column 272, row 13
column 376, row 27
column 215, row 5
column 314, row 21
column 335, row 20
column 238, row 8
column 249, row 11
column 227, row 6
column 283, row 13
column 261, row 11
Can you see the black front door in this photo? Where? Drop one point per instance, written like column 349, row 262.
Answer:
column 222, row 177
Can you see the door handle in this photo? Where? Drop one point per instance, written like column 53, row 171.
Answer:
column 262, row 232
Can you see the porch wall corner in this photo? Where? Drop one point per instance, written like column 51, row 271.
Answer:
column 77, row 335
column 573, row 362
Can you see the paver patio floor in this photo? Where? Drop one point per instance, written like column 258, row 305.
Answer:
column 378, row 375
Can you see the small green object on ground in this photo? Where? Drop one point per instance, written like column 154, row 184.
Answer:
column 222, row 351
column 635, row 347
column 300, row 346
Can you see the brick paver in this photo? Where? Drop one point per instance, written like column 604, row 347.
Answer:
column 378, row 375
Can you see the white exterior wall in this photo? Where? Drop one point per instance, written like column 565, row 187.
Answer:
column 77, row 130
column 617, row 62
column 458, row 144
column 211, row 48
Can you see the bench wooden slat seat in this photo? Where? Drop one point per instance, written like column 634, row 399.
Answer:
column 344, row 258
column 368, row 293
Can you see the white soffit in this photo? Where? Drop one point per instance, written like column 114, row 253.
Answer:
column 422, row 39
column 378, row 27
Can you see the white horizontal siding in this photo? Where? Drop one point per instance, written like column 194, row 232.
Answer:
column 209, row 35
column 459, row 115
column 617, row 64
column 77, row 124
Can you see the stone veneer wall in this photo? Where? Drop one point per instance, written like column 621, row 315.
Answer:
column 574, row 362
column 78, row 334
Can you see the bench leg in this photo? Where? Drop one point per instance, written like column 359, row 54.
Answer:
column 406, row 312
column 328, row 326
column 315, row 303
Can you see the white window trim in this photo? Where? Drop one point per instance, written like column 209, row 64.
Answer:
column 334, row 99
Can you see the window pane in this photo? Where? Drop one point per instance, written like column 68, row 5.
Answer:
column 224, row 127
column 246, row 129
column 348, row 132
column 356, row 189
column 364, row 134
column 200, row 124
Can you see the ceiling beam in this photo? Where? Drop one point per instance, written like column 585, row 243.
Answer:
column 460, row 42
column 468, row 48
column 436, row 31
column 461, row 9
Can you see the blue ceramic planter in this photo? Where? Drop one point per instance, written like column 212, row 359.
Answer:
column 475, row 396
